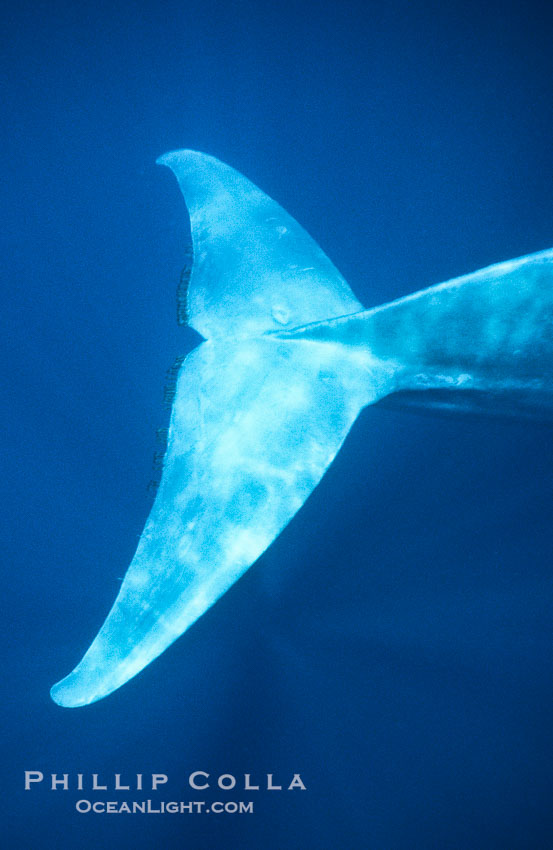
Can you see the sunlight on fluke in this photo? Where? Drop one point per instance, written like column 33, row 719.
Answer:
column 262, row 406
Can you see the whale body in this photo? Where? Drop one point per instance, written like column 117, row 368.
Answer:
column 261, row 407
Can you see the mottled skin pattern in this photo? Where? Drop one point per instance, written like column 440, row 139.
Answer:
column 263, row 405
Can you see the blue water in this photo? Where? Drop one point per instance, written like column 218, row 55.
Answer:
column 394, row 645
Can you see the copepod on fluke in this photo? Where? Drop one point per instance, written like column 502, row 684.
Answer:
column 261, row 407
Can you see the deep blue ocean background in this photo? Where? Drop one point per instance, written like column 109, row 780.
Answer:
column 395, row 644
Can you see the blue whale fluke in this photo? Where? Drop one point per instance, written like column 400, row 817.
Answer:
column 263, row 405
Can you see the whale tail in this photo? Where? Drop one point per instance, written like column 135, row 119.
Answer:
column 262, row 406
column 255, row 420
